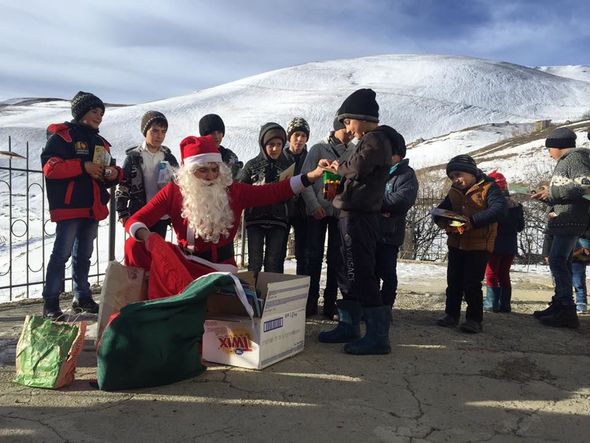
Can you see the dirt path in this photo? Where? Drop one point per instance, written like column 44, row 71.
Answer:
column 517, row 381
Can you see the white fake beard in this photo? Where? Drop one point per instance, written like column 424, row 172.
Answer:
column 206, row 204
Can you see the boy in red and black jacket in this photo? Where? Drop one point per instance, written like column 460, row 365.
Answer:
column 78, row 169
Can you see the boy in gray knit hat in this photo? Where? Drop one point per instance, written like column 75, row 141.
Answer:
column 567, row 219
column 147, row 169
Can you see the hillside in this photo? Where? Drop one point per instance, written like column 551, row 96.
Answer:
column 422, row 96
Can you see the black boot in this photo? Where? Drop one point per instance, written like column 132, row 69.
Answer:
column 329, row 310
column 51, row 310
column 376, row 339
column 505, row 299
column 553, row 306
column 564, row 316
column 349, row 323
column 85, row 305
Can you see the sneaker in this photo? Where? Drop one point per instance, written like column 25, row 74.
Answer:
column 471, row 326
column 54, row 315
column 85, row 305
column 447, row 321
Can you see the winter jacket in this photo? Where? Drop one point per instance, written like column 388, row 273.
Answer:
column 71, row 192
column 130, row 193
column 401, row 192
column 260, row 170
column 570, row 180
column 231, row 159
column 330, row 149
column 365, row 173
column 508, row 228
column 169, row 202
column 296, row 206
column 484, row 204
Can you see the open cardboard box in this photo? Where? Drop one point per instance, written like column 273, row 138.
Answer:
column 233, row 338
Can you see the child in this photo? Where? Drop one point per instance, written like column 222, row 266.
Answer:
column 478, row 198
column 147, row 169
column 401, row 192
column 212, row 124
column 267, row 226
column 78, row 169
column 364, row 174
column 567, row 221
column 296, row 152
column 322, row 217
column 499, row 288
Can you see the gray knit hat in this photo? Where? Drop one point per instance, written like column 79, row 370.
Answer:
column 297, row 124
column 84, row 102
column 150, row 118
column 561, row 138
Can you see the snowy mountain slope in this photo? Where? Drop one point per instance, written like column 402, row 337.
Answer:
column 422, row 96
column 576, row 72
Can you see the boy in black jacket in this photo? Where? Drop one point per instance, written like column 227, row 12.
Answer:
column 401, row 192
column 364, row 176
column 267, row 226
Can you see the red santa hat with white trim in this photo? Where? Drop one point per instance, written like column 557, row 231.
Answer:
column 199, row 150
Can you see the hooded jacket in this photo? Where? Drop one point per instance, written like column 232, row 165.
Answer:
column 260, row 170
column 71, row 192
column 365, row 173
column 401, row 192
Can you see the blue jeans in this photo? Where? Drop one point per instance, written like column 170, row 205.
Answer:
column 268, row 246
column 73, row 238
column 560, row 263
column 579, row 280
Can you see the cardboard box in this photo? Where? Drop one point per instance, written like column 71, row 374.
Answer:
column 255, row 343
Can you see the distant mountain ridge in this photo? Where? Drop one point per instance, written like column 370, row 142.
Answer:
column 423, row 96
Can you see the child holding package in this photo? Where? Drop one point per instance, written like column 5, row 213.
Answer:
column 476, row 197
column 147, row 169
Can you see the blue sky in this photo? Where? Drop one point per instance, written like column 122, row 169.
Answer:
column 129, row 51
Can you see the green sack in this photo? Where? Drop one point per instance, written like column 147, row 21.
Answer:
column 47, row 352
column 156, row 342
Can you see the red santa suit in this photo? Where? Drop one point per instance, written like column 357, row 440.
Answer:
column 192, row 252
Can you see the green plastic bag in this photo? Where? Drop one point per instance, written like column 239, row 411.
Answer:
column 47, row 352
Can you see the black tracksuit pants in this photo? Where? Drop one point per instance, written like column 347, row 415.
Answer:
column 358, row 280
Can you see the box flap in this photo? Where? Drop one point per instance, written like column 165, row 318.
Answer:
column 228, row 304
column 283, row 292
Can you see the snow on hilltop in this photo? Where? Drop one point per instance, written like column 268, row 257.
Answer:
column 420, row 95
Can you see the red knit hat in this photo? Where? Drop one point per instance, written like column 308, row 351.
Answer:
column 199, row 150
column 500, row 180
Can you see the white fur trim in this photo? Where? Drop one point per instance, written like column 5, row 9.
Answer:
column 202, row 159
column 136, row 227
column 296, row 184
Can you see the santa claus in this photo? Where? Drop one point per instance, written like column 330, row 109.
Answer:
column 205, row 207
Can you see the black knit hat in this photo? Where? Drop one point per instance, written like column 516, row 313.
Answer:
column 561, row 138
column 297, row 124
column 84, row 102
column 210, row 123
column 464, row 163
column 269, row 131
column 338, row 125
column 360, row 105
column 150, row 118
column 399, row 148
